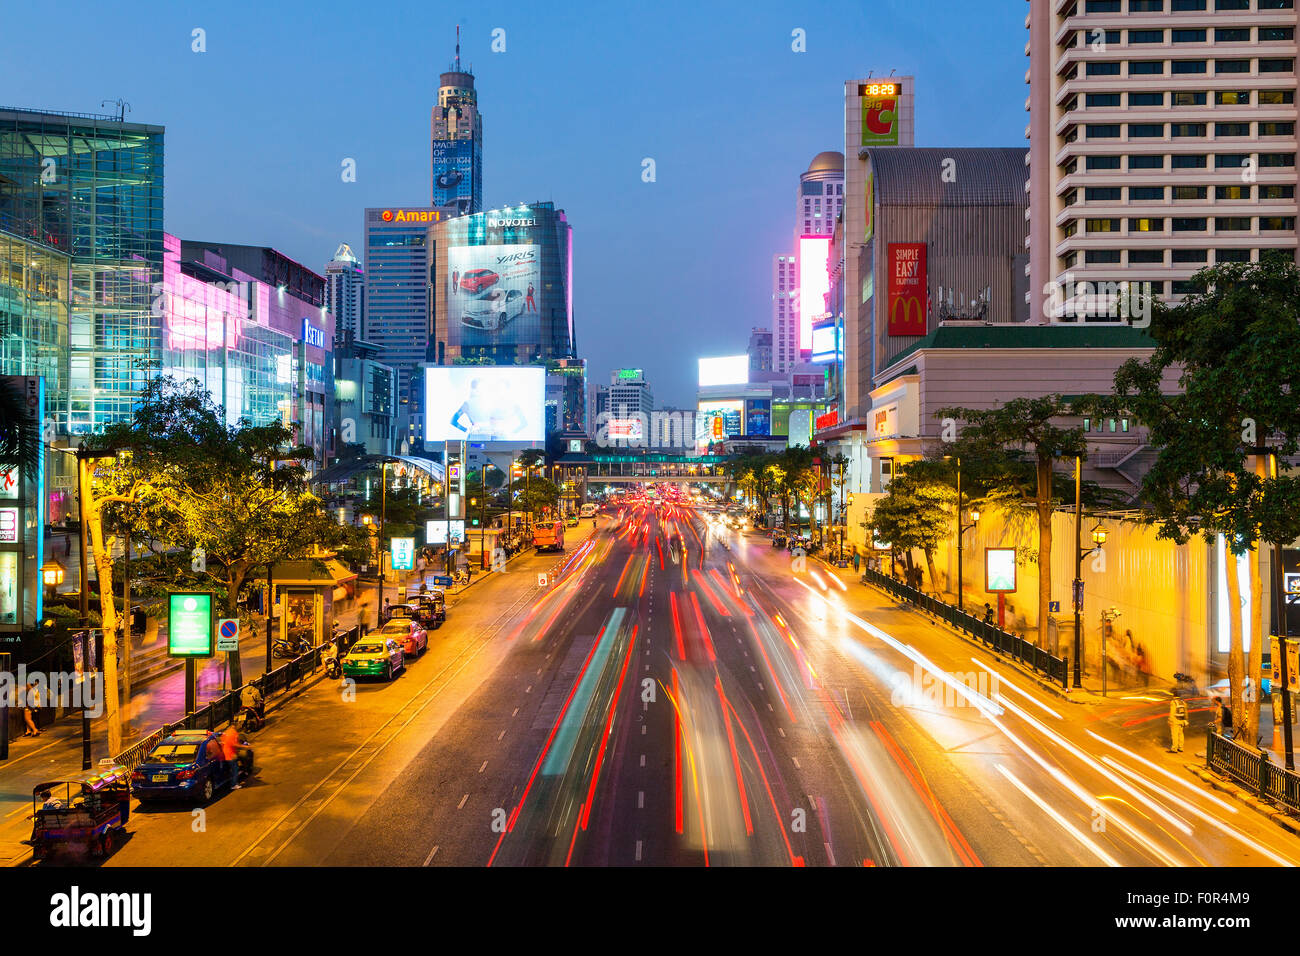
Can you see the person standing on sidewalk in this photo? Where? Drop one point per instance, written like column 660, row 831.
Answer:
column 31, row 701
column 1177, row 721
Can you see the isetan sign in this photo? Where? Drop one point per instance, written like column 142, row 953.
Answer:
column 411, row 215
column 907, row 284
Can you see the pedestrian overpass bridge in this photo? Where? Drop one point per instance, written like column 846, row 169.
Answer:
column 630, row 468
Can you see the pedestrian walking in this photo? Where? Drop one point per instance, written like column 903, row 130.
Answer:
column 1177, row 721
column 31, row 701
column 230, row 753
column 988, row 613
column 1222, row 718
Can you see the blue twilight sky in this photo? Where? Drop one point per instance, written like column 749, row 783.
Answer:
column 259, row 124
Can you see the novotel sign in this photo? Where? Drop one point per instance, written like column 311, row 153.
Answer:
column 312, row 335
column 509, row 223
column 411, row 215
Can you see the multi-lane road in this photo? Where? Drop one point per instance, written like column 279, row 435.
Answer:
column 680, row 695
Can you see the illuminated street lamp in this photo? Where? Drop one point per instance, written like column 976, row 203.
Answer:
column 51, row 576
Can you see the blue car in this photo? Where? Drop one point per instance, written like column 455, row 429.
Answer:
column 179, row 768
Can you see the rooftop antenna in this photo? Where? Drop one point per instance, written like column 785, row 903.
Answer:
column 122, row 107
column 458, row 48
column 892, row 72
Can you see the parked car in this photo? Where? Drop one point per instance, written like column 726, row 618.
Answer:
column 492, row 310
column 409, row 633
column 376, row 656
column 179, row 767
column 476, row 280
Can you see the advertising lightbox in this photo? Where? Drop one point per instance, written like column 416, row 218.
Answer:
column 436, row 529
column 724, row 370
column 485, row 403
column 718, row 421
column 907, row 288
column 190, row 631
column 493, row 291
column 880, row 113
column 827, row 343
column 1000, row 570
column 403, row 551
column 814, row 284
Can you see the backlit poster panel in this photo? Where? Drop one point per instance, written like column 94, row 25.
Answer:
column 485, row 403
column 907, row 285
column 494, row 294
column 814, row 284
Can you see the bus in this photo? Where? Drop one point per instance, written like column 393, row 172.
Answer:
column 548, row 536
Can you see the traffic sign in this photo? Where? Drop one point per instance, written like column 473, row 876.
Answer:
column 1054, row 607
column 228, row 634
column 541, row 580
column 442, row 581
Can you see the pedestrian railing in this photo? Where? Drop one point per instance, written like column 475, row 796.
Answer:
column 1054, row 668
column 1253, row 770
column 223, row 710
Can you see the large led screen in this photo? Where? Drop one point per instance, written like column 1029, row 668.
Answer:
column 724, row 370
column 814, row 283
column 494, row 294
column 484, row 403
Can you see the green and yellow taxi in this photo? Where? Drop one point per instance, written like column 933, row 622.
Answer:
column 375, row 655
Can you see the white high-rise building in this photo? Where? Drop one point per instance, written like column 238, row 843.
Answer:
column 345, row 291
column 817, row 204
column 1161, row 140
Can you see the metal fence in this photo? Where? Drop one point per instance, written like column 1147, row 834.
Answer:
column 222, row 710
column 1012, row 645
column 1253, row 770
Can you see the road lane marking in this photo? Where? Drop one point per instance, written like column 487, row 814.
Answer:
column 500, row 735
column 638, row 851
column 482, row 768
column 529, row 690
column 432, row 853
column 643, row 760
column 515, row 713
column 461, row 805
column 796, row 763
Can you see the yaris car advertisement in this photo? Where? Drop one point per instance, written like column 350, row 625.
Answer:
column 491, row 288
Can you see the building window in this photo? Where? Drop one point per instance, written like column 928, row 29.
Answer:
column 1146, row 225
column 1189, row 36
column 1146, row 6
column 1146, row 193
column 1103, row 69
column 1146, row 99
column 1276, row 4
column 1183, row 286
column 1276, row 97
column 1232, row 255
column 1102, row 225
column 1277, row 66
column 1232, row 97
column 1277, row 223
column 1102, row 257
column 1102, row 162
column 1276, row 159
column 1103, row 130
column 1231, row 160
column 1232, row 36
column 1231, row 66
column 1102, row 6
column 1231, row 129
column 1232, row 224
column 1146, row 67
column 1231, row 192
column 1188, row 162
column 1189, row 98
column 1102, row 194
column 1277, row 129
column 1096, row 100
column 1232, row 4
column 1191, row 224
column 1190, row 192
column 1188, row 66
column 1275, row 192
column 1146, row 257
column 1148, row 130
column 1143, row 162
column 1189, row 129
column 1187, row 6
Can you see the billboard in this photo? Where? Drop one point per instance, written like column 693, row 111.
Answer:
column 718, row 421
column 1000, row 570
column 190, row 620
column 453, row 172
column 484, row 403
column 435, row 530
column 827, row 343
column 492, row 293
column 625, row 429
column 880, row 113
column 907, row 288
column 724, row 370
column 814, row 283
column 403, row 552
column 758, row 416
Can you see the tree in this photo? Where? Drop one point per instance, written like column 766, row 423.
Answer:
column 1234, row 343
column 18, row 445
column 915, row 513
column 1026, row 425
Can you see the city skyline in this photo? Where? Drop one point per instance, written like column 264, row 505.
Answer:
column 255, row 170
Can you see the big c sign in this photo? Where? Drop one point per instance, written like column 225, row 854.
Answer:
column 907, row 284
column 879, row 113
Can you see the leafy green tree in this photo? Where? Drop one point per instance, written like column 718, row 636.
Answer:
column 916, row 512
column 1026, row 425
column 1233, row 345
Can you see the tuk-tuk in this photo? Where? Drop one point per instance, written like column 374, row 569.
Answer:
column 433, row 606
column 81, row 817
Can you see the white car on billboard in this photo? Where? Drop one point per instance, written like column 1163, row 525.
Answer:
column 491, row 310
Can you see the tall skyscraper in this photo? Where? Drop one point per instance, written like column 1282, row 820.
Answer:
column 456, row 147
column 817, row 203
column 345, row 287
column 1161, row 140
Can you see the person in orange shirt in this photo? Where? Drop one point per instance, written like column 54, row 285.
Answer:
column 230, row 753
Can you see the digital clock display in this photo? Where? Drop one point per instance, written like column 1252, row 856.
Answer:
column 879, row 89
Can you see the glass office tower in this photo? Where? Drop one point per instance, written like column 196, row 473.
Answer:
column 91, row 188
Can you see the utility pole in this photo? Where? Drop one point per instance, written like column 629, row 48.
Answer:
column 83, row 491
column 383, row 508
column 1279, row 614
column 1077, row 587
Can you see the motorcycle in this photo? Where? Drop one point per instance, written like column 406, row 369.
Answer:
column 330, row 658
column 249, row 719
column 291, row 647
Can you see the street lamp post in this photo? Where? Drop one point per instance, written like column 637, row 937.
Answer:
column 379, row 543
column 1076, row 596
column 961, row 532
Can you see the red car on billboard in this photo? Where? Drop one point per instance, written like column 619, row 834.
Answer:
column 476, row 280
